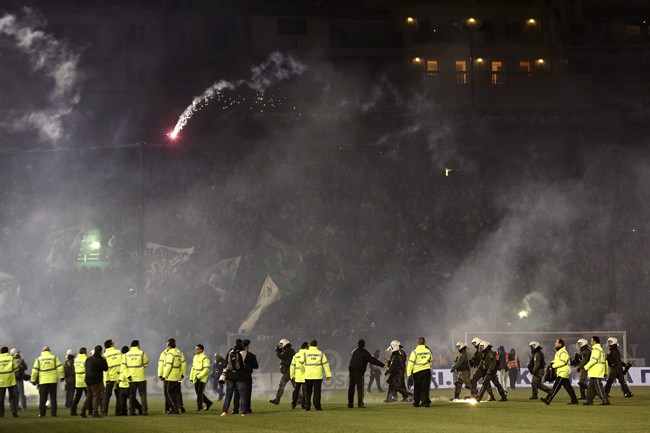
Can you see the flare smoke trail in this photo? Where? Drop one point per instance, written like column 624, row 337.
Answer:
column 277, row 67
column 53, row 58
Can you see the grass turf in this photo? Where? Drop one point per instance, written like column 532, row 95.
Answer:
column 517, row 415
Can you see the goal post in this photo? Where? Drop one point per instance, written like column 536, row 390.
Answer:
column 519, row 340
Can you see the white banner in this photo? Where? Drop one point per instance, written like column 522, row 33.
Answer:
column 268, row 295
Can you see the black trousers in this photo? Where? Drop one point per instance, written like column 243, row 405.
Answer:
column 421, row 384
column 559, row 383
column 108, row 390
column 356, row 381
column 78, row 392
column 513, row 374
column 313, row 386
column 46, row 390
column 13, row 399
column 172, row 394
column 199, row 388
column 297, row 394
column 395, row 385
column 621, row 379
column 595, row 388
column 120, row 403
column 141, row 388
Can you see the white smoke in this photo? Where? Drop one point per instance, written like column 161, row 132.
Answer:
column 54, row 59
column 277, row 67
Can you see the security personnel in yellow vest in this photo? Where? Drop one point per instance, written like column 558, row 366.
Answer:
column 596, row 370
column 562, row 365
column 113, row 358
column 79, row 379
column 8, row 369
column 297, row 374
column 46, row 373
column 136, row 361
column 199, row 376
column 314, row 362
column 419, row 373
column 161, row 365
column 173, row 371
column 122, row 386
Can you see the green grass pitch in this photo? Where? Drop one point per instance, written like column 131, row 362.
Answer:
column 517, row 415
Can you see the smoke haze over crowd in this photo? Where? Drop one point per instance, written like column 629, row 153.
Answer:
column 376, row 212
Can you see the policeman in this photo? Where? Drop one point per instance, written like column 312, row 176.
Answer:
column 536, row 368
column 79, row 379
column 199, row 376
column 285, row 354
column 113, row 358
column 314, row 363
column 136, row 361
column 585, row 354
column 395, row 372
column 173, row 371
column 596, row 371
column 297, row 375
column 616, row 369
column 461, row 368
column 562, row 365
column 8, row 369
column 419, row 373
column 45, row 374
column 489, row 364
column 69, row 377
column 479, row 373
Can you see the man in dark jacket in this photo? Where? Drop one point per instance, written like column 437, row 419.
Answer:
column 359, row 360
column 616, row 369
column 250, row 364
column 232, row 376
column 285, row 353
column 95, row 367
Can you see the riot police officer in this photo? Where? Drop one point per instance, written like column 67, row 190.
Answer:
column 536, row 368
column 461, row 368
column 616, row 369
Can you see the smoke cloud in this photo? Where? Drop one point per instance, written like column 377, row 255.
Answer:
column 50, row 58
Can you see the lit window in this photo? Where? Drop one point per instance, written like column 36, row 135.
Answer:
column 524, row 68
column 461, row 72
column 432, row 68
column 497, row 72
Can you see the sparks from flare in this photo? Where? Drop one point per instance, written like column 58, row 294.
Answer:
column 276, row 68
